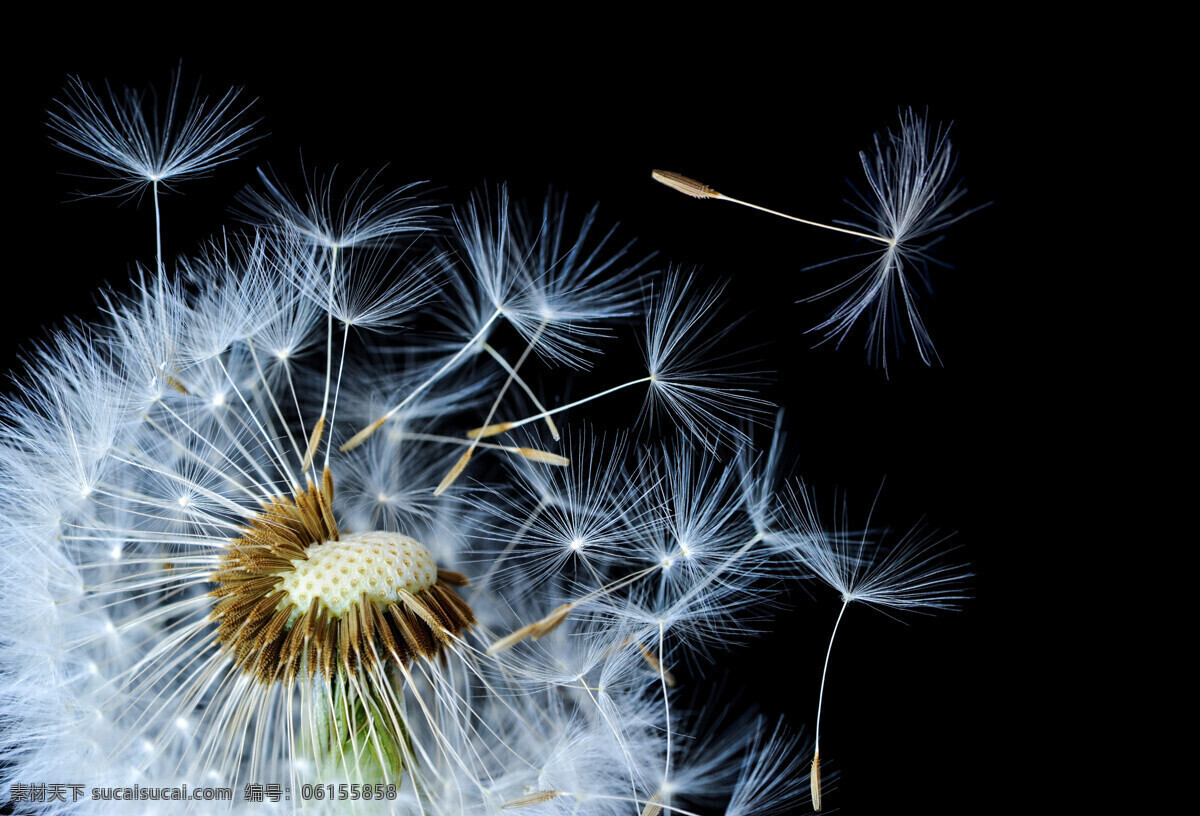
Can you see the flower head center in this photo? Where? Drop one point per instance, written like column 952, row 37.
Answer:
column 379, row 565
column 299, row 597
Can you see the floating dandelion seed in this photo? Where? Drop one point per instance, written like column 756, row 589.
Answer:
column 910, row 574
column 141, row 143
column 912, row 191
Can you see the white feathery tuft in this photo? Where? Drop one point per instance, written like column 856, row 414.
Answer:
column 912, row 193
column 140, row 142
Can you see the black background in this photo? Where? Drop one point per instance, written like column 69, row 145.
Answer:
column 920, row 714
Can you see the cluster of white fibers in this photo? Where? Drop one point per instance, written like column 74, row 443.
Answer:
column 291, row 513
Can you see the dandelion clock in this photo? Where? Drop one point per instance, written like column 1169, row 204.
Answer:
column 343, row 508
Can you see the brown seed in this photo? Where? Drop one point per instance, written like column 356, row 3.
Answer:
column 363, row 435
column 455, row 472
column 655, row 664
column 535, row 455
column 684, row 184
column 489, row 430
column 313, row 440
column 653, row 805
column 535, row 798
column 814, row 780
column 551, row 622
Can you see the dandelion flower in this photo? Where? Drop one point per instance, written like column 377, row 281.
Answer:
column 223, row 597
column 243, row 553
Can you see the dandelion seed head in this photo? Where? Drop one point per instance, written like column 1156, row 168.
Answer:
column 227, row 557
